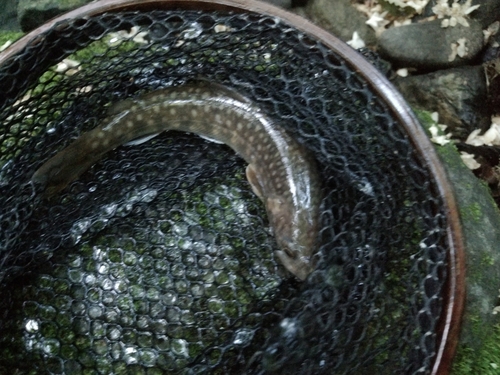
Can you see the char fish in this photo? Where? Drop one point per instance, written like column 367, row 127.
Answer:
column 280, row 171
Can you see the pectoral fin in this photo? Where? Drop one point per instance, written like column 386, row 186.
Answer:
column 141, row 140
column 254, row 181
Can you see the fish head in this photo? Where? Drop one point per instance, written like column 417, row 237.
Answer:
column 295, row 231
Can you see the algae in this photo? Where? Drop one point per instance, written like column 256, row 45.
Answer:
column 479, row 346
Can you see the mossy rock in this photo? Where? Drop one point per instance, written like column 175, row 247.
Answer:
column 8, row 15
column 9, row 36
column 479, row 345
column 33, row 13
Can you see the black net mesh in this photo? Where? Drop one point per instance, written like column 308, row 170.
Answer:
column 159, row 259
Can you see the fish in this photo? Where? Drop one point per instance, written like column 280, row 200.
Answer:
column 281, row 172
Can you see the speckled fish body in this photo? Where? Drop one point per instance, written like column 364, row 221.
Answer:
column 280, row 171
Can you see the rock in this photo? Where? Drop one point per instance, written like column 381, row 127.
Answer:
column 427, row 11
column 480, row 220
column 33, row 13
column 489, row 158
column 487, row 13
column 8, row 15
column 375, row 59
column 428, row 46
column 492, row 71
column 340, row 18
column 458, row 95
column 492, row 52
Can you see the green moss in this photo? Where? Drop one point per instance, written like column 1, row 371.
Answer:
column 471, row 212
column 479, row 347
column 484, row 362
column 487, row 260
column 12, row 36
column 424, row 117
column 395, row 10
column 33, row 13
column 102, row 47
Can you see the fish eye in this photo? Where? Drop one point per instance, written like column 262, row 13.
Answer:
column 289, row 252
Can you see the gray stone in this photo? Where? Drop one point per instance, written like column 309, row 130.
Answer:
column 487, row 13
column 480, row 220
column 33, row 13
column 340, row 18
column 428, row 46
column 8, row 15
column 458, row 95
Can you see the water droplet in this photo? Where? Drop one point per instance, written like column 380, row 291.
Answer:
column 110, row 209
column 51, row 346
column 95, row 311
column 197, row 290
column 130, row 355
column 180, row 347
column 169, row 298
column 103, row 268
column 289, row 327
column 215, row 305
column 106, row 284
column 31, row 325
column 113, row 333
column 193, row 31
column 243, row 336
column 79, row 228
column 120, row 286
column 148, row 357
column 180, row 229
column 149, row 195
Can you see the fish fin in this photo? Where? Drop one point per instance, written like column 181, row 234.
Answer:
column 254, row 182
column 141, row 140
column 218, row 89
column 298, row 265
column 211, row 139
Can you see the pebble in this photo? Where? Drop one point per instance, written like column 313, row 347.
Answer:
column 33, row 13
column 340, row 18
column 428, row 46
column 457, row 94
column 487, row 13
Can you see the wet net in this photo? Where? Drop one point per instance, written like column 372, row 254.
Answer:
column 159, row 259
